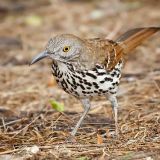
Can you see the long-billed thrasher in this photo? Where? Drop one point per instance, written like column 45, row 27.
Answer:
column 86, row 68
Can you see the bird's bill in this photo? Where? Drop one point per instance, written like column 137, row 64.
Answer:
column 39, row 57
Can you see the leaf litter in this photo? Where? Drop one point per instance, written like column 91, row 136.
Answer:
column 31, row 129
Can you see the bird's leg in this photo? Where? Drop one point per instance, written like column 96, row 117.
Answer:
column 114, row 103
column 86, row 105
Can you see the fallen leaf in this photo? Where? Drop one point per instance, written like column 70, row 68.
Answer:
column 83, row 158
column 99, row 139
column 57, row 106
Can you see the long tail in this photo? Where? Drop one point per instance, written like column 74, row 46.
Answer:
column 133, row 38
column 127, row 42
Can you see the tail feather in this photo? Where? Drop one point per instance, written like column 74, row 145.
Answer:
column 133, row 38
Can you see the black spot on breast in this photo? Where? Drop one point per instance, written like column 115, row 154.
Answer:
column 91, row 75
column 73, row 91
column 102, row 81
column 72, row 84
column 110, row 88
column 73, row 81
column 94, row 69
column 82, row 87
column 112, row 92
column 116, row 83
column 89, row 92
column 82, row 73
column 76, row 76
column 60, row 74
column 76, row 93
column 54, row 70
column 64, row 84
column 54, row 74
column 118, row 75
column 70, row 67
column 84, row 92
column 114, row 74
column 95, row 85
column 100, row 90
column 101, row 73
column 87, row 83
column 116, row 69
column 108, row 79
column 54, row 67
column 99, row 67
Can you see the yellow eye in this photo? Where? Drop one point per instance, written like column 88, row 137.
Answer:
column 66, row 48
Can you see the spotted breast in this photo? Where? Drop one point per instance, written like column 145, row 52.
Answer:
column 87, row 83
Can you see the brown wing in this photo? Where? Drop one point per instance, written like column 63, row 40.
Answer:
column 102, row 51
column 115, row 51
column 108, row 52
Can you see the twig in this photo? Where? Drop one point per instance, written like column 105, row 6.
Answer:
column 158, row 88
column 12, row 122
column 9, row 151
column 93, row 151
column 54, row 123
column 73, row 146
column 3, row 123
column 26, row 126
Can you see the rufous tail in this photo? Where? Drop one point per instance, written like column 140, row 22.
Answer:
column 133, row 38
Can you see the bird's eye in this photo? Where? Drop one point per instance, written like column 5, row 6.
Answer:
column 66, row 48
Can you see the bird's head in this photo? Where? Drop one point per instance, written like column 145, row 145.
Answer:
column 63, row 48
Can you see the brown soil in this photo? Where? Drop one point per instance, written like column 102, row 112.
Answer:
column 26, row 117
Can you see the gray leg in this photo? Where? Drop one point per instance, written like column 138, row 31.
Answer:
column 86, row 105
column 114, row 104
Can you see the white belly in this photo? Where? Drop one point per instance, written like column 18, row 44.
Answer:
column 88, row 83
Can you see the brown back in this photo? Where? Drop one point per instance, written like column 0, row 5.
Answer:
column 126, row 43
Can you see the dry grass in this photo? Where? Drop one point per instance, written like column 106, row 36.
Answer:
column 27, row 118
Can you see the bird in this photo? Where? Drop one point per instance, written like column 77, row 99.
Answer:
column 86, row 68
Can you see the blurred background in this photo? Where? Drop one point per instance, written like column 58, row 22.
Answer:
column 25, row 28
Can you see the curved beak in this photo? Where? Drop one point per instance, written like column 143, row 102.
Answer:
column 39, row 57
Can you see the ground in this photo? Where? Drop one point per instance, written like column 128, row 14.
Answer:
column 30, row 128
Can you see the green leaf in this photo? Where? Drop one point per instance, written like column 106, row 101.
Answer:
column 33, row 20
column 57, row 106
column 83, row 158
